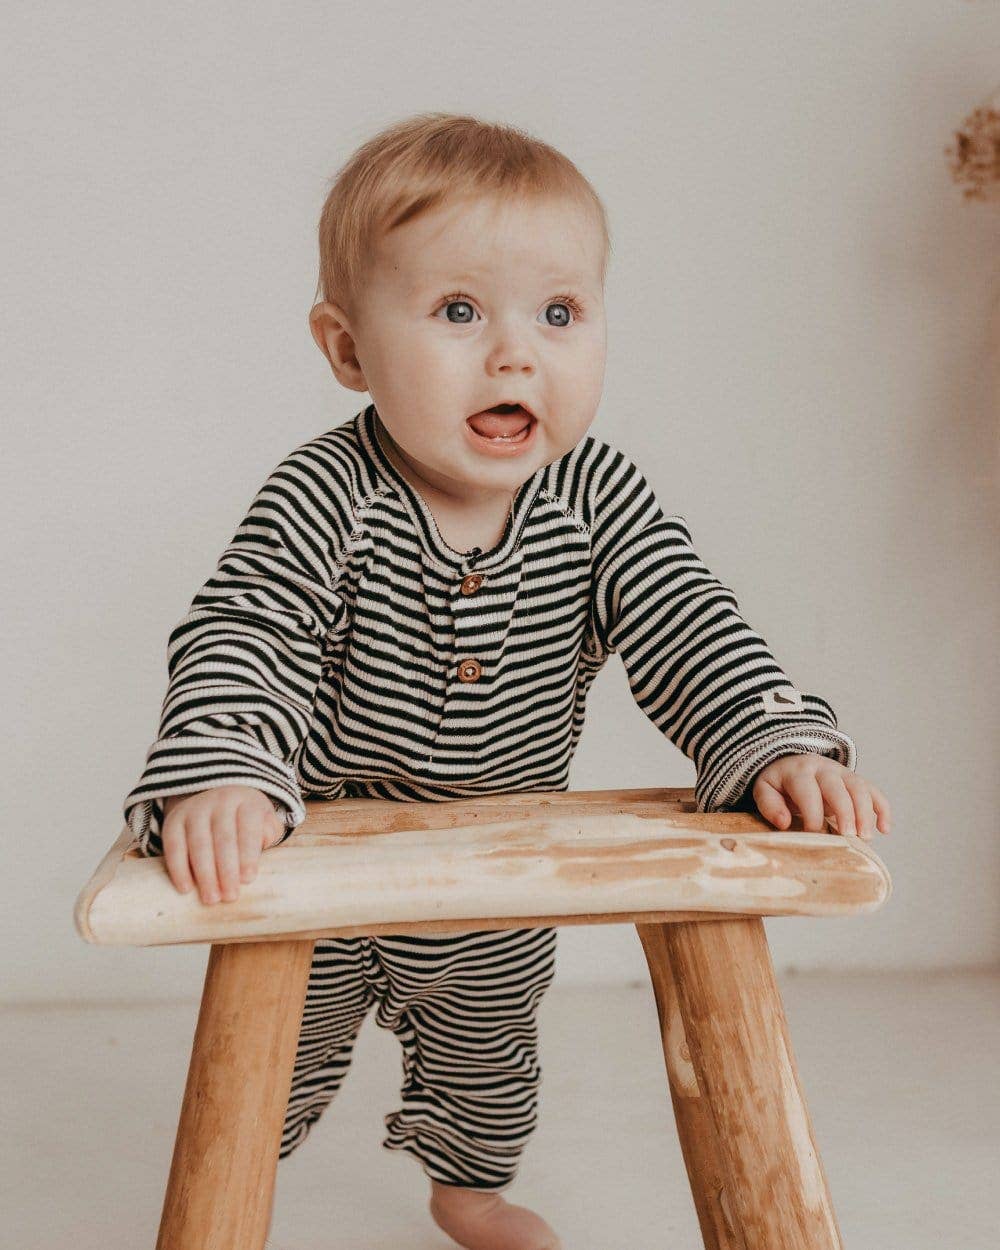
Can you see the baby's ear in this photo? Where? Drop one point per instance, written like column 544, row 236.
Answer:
column 332, row 333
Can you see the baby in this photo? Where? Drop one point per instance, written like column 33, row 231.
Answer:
column 415, row 607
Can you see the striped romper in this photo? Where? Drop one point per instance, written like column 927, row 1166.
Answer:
column 343, row 649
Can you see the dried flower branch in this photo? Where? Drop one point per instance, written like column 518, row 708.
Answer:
column 974, row 157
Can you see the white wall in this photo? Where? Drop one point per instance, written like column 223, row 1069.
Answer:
column 802, row 356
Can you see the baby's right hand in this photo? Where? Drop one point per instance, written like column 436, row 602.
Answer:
column 215, row 837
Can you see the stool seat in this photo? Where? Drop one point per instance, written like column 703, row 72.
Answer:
column 695, row 885
column 367, row 866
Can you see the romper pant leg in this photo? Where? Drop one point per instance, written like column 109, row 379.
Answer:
column 464, row 1008
column 338, row 998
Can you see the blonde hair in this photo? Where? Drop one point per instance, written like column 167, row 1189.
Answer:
column 418, row 164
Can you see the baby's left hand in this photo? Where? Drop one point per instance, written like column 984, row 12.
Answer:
column 817, row 787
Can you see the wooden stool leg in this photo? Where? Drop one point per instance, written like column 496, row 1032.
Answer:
column 737, row 1036
column 226, row 1152
column 705, row 1165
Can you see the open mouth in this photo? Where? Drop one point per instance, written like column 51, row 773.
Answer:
column 505, row 423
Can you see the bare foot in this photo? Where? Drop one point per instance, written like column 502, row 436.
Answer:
column 480, row 1220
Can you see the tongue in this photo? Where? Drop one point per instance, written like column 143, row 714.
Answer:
column 490, row 423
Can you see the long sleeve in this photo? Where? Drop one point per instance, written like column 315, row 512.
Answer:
column 244, row 662
column 695, row 667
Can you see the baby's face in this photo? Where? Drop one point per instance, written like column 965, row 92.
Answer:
column 478, row 304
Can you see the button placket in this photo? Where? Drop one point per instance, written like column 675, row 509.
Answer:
column 482, row 604
column 469, row 668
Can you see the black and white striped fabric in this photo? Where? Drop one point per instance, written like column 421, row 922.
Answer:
column 464, row 1009
column 341, row 649
column 322, row 658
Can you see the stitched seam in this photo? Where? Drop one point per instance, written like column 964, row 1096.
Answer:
column 360, row 507
column 566, row 509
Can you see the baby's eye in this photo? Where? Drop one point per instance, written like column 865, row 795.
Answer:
column 464, row 311
column 561, row 309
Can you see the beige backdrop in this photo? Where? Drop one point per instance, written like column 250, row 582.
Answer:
column 802, row 356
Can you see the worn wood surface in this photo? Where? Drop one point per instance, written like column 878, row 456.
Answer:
column 704, row 1161
column 226, row 1152
column 502, row 861
column 774, row 1190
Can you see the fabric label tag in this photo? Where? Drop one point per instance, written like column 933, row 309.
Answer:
column 784, row 699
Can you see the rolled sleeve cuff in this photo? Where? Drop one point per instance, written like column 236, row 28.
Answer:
column 189, row 763
column 725, row 783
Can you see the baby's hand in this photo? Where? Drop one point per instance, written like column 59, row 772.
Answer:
column 217, row 835
column 818, row 786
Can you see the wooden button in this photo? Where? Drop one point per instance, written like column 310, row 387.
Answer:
column 471, row 583
column 469, row 669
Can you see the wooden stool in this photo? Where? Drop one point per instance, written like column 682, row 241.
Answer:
column 694, row 884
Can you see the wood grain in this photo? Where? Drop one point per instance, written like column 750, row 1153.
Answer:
column 737, row 1037
column 226, row 1152
column 505, row 861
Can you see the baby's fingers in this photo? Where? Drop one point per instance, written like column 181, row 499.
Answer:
column 251, row 835
column 840, row 804
column 201, row 852
column 227, row 854
column 805, row 792
column 864, row 810
column 771, row 804
column 881, row 804
column 175, row 854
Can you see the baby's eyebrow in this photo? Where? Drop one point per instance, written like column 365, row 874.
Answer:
column 453, row 278
column 449, row 277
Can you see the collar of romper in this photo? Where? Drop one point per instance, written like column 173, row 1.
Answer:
column 371, row 435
